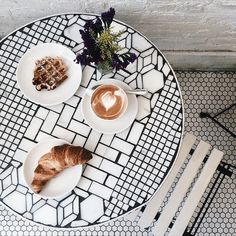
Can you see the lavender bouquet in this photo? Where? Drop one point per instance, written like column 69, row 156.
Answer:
column 101, row 44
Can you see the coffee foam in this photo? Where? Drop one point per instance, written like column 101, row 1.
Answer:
column 108, row 100
column 119, row 93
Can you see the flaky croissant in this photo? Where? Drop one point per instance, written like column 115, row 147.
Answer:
column 59, row 158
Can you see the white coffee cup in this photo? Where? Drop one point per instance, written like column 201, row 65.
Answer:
column 108, row 101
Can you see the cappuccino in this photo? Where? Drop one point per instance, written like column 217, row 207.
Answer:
column 108, row 101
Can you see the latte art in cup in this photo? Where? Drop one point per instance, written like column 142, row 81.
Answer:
column 108, row 101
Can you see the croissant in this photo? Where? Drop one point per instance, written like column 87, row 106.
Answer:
column 58, row 159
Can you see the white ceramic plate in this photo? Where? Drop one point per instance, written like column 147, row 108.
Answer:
column 62, row 183
column 25, row 68
column 110, row 126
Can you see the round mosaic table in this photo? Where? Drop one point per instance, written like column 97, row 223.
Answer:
column 127, row 168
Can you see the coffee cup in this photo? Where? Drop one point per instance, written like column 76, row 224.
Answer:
column 108, row 101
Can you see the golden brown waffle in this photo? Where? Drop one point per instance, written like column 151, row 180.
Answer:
column 49, row 73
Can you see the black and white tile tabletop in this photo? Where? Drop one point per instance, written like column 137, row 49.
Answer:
column 215, row 214
column 127, row 168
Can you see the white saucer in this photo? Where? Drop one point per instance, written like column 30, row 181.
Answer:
column 25, row 68
column 62, row 183
column 110, row 126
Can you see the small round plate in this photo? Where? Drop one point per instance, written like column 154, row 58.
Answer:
column 26, row 66
column 61, row 184
column 110, row 126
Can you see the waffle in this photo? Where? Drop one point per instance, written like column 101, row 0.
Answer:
column 49, row 73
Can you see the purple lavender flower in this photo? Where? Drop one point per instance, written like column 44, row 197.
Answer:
column 122, row 61
column 133, row 57
column 97, row 26
column 92, row 53
column 89, row 41
column 116, row 63
column 107, row 17
column 82, row 58
column 88, row 24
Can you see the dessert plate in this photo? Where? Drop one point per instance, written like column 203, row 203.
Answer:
column 110, row 126
column 61, row 184
column 26, row 66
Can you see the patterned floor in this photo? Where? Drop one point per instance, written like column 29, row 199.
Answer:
column 216, row 213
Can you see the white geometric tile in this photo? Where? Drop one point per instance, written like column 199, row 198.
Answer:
column 131, row 77
column 135, row 132
column 79, row 223
column 87, row 74
column 122, row 146
column 123, row 135
column 42, row 113
column 79, row 140
column 84, row 183
column 80, row 128
column 63, row 133
column 57, row 108
column 80, row 92
column 95, row 161
column 160, row 62
column 46, row 210
column 111, row 181
column 107, row 138
column 140, row 43
column 88, row 211
column 147, row 68
column 95, row 174
column 166, row 69
column 42, row 136
column 72, row 20
column 81, row 193
column 68, row 209
column 50, row 122
column 111, row 154
column 71, row 32
column 73, row 101
column 65, row 116
column 26, row 144
column 17, row 200
column 144, row 108
column 111, row 168
column 101, row 149
column 153, row 81
column 118, row 27
column 68, row 220
column 92, row 140
column 20, row 155
column 123, row 159
column 100, row 190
